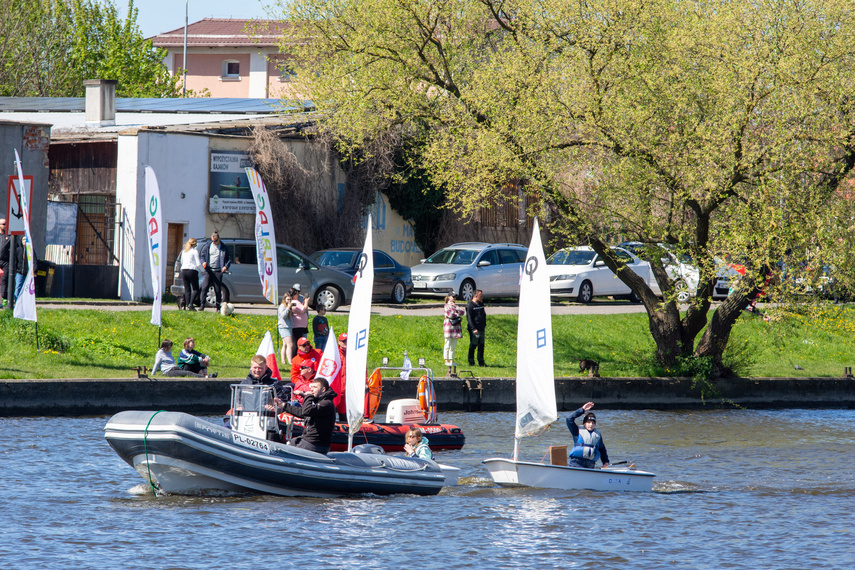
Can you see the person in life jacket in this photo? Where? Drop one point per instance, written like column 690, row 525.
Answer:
column 588, row 444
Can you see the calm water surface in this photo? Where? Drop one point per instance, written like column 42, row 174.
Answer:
column 734, row 489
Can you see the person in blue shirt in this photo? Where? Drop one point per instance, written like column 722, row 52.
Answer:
column 321, row 328
column 588, row 446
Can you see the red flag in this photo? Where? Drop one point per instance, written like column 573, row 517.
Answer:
column 266, row 350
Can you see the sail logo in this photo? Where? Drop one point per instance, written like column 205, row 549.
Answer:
column 361, row 339
column 541, row 338
column 363, row 262
column 531, row 266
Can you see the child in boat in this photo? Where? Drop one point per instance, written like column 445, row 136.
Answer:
column 416, row 444
column 588, row 444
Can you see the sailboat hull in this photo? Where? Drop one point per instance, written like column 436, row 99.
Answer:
column 507, row 472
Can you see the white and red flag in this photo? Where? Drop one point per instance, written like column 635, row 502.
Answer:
column 266, row 350
column 330, row 366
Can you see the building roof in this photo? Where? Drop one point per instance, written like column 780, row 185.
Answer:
column 67, row 114
column 224, row 32
column 226, row 105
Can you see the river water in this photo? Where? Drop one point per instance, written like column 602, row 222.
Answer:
column 734, row 489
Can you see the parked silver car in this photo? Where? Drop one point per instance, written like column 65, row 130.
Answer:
column 322, row 285
column 463, row 268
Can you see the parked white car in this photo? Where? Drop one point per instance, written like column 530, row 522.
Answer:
column 679, row 269
column 578, row 272
column 463, row 268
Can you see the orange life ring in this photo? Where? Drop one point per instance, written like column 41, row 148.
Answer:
column 427, row 399
column 373, row 391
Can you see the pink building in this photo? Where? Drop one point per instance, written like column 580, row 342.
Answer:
column 230, row 57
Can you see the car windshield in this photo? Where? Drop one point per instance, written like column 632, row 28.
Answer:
column 453, row 256
column 571, row 257
column 340, row 259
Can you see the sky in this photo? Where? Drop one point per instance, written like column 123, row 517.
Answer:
column 158, row 16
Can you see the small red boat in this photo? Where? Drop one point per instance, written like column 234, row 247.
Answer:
column 401, row 415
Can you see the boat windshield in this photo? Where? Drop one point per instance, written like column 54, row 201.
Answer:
column 253, row 410
column 571, row 257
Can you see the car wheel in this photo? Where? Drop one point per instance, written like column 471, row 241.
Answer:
column 683, row 293
column 329, row 297
column 586, row 292
column 399, row 293
column 467, row 290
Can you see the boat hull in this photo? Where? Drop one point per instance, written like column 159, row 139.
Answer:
column 507, row 472
column 183, row 454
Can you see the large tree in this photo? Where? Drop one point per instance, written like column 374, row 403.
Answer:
column 49, row 47
column 720, row 127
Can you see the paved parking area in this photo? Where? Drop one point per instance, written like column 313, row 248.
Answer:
column 421, row 309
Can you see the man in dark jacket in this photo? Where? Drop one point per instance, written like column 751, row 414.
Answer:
column 259, row 373
column 215, row 259
column 476, row 322
column 319, row 412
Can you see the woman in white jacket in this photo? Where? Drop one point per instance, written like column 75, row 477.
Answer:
column 191, row 266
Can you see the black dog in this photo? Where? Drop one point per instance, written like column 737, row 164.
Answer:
column 592, row 366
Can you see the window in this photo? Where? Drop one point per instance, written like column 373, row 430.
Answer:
column 231, row 69
column 285, row 258
column 509, row 256
column 286, row 72
column 382, row 260
column 245, row 254
column 490, row 256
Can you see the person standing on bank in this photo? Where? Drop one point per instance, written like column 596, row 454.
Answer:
column 588, row 444
column 299, row 315
column 452, row 331
column 476, row 322
column 191, row 266
column 215, row 259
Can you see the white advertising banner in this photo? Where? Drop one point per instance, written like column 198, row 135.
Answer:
column 265, row 238
column 153, row 212
column 25, row 304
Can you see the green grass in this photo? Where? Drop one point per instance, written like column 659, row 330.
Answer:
column 80, row 343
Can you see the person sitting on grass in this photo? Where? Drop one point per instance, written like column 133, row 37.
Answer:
column 193, row 360
column 165, row 362
column 416, row 444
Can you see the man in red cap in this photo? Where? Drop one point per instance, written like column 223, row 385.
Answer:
column 306, row 355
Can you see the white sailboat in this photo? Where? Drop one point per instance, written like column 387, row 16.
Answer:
column 358, row 329
column 536, row 405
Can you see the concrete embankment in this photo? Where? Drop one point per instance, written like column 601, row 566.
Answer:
column 77, row 397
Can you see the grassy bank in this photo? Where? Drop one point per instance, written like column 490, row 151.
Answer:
column 106, row 344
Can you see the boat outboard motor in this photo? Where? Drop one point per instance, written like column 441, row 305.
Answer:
column 369, row 448
column 253, row 411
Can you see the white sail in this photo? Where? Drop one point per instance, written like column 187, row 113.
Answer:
column 536, row 406
column 358, row 325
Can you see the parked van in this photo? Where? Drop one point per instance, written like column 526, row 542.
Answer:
column 321, row 285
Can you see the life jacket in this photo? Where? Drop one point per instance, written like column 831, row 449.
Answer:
column 587, row 444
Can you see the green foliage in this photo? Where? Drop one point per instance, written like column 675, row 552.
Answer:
column 723, row 128
column 50, row 47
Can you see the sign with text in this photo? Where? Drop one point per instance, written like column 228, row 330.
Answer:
column 229, row 190
column 14, row 212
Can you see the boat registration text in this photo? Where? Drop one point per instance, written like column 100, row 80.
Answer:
column 251, row 442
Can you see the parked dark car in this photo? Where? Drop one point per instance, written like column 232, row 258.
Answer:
column 391, row 279
column 322, row 285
